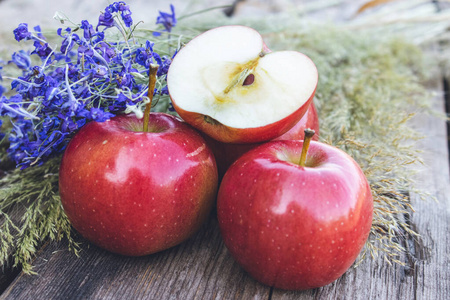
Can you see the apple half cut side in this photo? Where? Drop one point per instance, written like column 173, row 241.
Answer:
column 229, row 85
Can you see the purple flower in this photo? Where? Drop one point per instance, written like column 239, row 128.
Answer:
column 99, row 72
column 89, row 78
column 21, row 32
column 144, row 54
column 124, row 79
column 88, row 30
column 164, row 91
column 2, row 135
column 167, row 20
column 126, row 17
column 106, row 19
column 21, row 59
column 120, row 6
column 106, row 51
column 99, row 115
column 43, row 50
column 68, row 41
column 11, row 107
column 164, row 64
column 125, row 12
column 98, row 37
column 38, row 31
column 86, row 52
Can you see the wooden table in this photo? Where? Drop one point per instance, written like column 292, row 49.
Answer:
column 202, row 268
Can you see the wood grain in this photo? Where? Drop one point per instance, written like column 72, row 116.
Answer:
column 200, row 268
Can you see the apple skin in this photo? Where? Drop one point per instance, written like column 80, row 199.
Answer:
column 294, row 227
column 309, row 120
column 228, row 134
column 136, row 193
column 226, row 153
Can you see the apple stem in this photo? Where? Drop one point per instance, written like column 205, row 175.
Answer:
column 153, row 69
column 309, row 133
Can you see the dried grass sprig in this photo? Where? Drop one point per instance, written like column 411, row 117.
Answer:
column 31, row 213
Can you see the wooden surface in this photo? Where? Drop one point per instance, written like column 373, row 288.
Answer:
column 202, row 268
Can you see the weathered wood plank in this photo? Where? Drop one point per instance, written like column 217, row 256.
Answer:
column 200, row 268
column 432, row 219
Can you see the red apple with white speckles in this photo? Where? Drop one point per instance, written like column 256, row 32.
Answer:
column 133, row 192
column 294, row 225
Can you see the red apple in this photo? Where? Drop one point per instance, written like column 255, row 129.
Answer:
column 309, row 120
column 226, row 153
column 291, row 226
column 133, row 192
column 229, row 85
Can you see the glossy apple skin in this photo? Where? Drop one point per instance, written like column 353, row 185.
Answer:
column 136, row 193
column 226, row 153
column 294, row 227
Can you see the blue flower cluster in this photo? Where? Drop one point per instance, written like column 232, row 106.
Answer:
column 167, row 20
column 89, row 78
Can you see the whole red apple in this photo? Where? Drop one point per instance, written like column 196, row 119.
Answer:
column 291, row 226
column 133, row 192
column 226, row 153
column 228, row 84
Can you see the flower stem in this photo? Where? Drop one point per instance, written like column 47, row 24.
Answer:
column 151, row 87
column 309, row 133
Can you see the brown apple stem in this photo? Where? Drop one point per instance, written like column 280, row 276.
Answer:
column 153, row 69
column 309, row 133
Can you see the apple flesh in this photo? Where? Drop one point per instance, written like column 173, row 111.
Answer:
column 290, row 226
column 226, row 153
column 229, row 85
column 133, row 192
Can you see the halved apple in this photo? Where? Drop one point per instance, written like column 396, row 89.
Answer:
column 228, row 84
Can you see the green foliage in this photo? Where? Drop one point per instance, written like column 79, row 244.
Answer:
column 30, row 214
